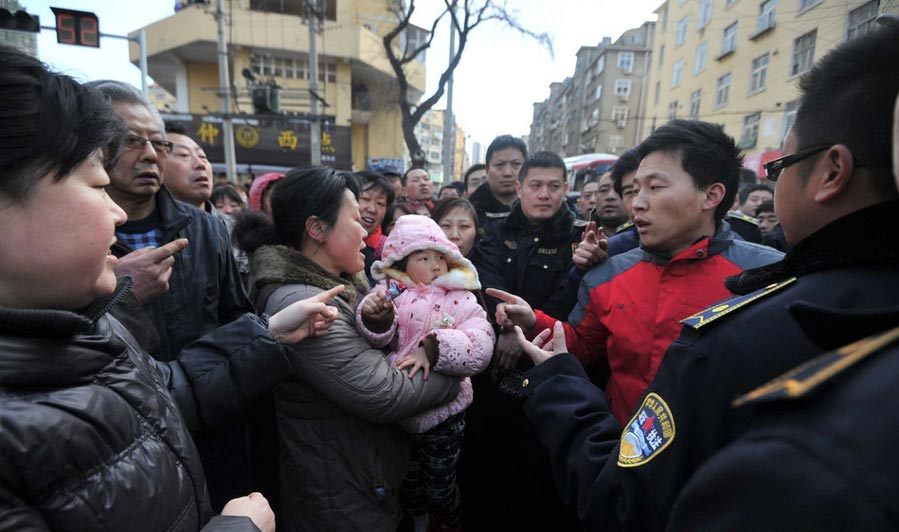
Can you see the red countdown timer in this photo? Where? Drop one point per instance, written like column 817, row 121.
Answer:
column 77, row 27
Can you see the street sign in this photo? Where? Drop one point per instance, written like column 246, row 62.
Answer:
column 80, row 28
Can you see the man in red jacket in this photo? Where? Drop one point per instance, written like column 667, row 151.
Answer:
column 629, row 308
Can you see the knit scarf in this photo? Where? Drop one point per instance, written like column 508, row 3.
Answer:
column 279, row 265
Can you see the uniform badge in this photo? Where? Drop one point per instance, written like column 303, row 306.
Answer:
column 547, row 251
column 647, row 434
column 624, row 227
column 703, row 318
column 511, row 244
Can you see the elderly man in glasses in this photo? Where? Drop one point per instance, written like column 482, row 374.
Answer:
column 187, row 289
column 837, row 202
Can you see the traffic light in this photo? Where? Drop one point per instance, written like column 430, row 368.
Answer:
column 19, row 21
column 80, row 28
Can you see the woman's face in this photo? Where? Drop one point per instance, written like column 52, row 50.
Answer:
column 372, row 207
column 459, row 227
column 342, row 250
column 54, row 247
column 226, row 205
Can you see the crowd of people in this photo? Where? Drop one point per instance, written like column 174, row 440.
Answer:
column 679, row 347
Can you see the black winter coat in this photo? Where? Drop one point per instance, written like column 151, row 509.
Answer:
column 92, row 439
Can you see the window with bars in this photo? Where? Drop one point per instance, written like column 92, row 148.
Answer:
column 803, row 53
column 758, row 74
column 672, row 110
column 722, row 90
column 290, row 68
column 623, row 88
column 619, row 116
column 695, row 99
column 861, row 19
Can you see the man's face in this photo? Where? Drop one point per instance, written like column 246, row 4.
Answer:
column 474, row 181
column 542, row 193
column 188, row 173
column 608, row 203
column 587, row 200
column 627, row 194
column 502, row 171
column 767, row 222
column 138, row 173
column 667, row 205
column 418, row 185
column 791, row 202
column 754, row 199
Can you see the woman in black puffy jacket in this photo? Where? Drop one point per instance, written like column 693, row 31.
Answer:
column 91, row 430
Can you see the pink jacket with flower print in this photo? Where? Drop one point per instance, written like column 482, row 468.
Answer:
column 446, row 307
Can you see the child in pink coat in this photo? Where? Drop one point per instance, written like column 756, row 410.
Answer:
column 424, row 309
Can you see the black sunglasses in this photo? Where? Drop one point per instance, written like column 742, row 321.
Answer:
column 775, row 167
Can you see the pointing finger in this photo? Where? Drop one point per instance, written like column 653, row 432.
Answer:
column 501, row 295
column 328, row 295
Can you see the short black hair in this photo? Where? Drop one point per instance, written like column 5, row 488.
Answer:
column 391, row 214
column 506, row 141
column 446, row 205
column 406, row 173
column 225, row 191
column 707, row 153
column 455, row 185
column 472, row 169
column 627, row 162
column 177, row 128
column 542, row 159
column 368, row 179
column 847, row 98
column 765, row 206
column 49, row 124
column 746, row 190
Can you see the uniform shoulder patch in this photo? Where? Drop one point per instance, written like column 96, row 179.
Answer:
column 704, row 317
column 648, row 433
column 802, row 379
column 624, row 227
column 745, row 217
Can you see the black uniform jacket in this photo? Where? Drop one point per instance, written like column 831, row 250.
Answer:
column 629, row 480
column 819, row 455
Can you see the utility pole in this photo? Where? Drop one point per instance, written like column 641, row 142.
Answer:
column 449, row 130
column 315, row 127
column 225, row 89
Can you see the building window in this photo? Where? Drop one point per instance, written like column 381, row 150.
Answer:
column 615, row 143
column 290, row 68
column 672, row 110
column 861, row 19
column 722, row 90
column 676, row 73
column 806, row 4
column 626, row 62
column 695, row 99
column 699, row 58
column 758, row 74
column 661, row 55
column 789, row 116
column 728, row 3
column 766, row 15
column 664, row 18
column 623, row 88
column 293, row 7
column 658, row 91
column 803, row 53
column 619, row 116
column 705, row 13
column 600, row 64
column 750, row 130
column 681, row 32
column 598, row 94
column 729, row 44
column 594, row 117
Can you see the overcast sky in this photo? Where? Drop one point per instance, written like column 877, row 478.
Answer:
column 501, row 75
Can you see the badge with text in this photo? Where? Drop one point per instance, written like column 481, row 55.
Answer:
column 649, row 432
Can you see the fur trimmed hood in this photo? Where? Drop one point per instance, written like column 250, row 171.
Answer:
column 416, row 233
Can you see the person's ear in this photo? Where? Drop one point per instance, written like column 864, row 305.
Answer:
column 832, row 175
column 518, row 186
column 316, row 229
column 714, row 195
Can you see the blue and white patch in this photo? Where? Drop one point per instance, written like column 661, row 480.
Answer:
column 647, row 434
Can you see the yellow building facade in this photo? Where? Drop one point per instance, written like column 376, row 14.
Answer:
column 738, row 62
column 271, row 44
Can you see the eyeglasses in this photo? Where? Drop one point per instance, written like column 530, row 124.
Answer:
column 136, row 142
column 775, row 167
